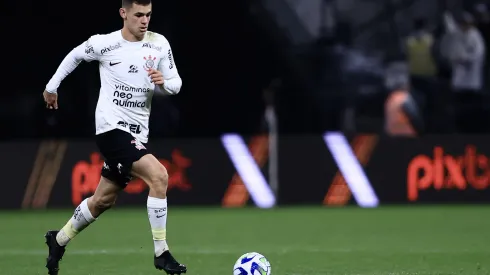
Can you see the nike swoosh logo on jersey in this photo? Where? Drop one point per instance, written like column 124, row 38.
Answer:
column 113, row 64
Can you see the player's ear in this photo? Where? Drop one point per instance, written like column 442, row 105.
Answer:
column 123, row 14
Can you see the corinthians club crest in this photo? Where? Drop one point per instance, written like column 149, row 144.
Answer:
column 150, row 63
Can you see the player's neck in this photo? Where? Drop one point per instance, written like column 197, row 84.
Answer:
column 127, row 35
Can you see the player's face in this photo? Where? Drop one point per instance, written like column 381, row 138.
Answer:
column 138, row 19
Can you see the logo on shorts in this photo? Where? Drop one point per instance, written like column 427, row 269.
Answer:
column 150, row 62
column 138, row 144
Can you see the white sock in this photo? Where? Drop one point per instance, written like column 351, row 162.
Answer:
column 79, row 221
column 157, row 214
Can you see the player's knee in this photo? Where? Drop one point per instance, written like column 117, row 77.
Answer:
column 159, row 180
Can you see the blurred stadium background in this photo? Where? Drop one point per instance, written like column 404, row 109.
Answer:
column 332, row 136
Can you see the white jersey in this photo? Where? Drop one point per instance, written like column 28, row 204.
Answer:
column 126, row 89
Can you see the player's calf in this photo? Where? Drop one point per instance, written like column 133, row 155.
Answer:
column 82, row 217
column 151, row 171
column 155, row 175
column 57, row 240
column 99, row 203
column 86, row 213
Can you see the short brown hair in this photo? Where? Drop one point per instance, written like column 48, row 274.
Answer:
column 129, row 3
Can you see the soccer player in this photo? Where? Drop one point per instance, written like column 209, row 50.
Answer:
column 134, row 65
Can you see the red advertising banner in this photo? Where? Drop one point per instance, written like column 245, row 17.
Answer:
column 330, row 170
column 432, row 169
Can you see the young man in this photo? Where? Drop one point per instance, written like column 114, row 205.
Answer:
column 134, row 64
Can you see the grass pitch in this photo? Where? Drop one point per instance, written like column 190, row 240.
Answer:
column 297, row 241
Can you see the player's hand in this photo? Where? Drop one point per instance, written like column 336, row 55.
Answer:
column 156, row 77
column 51, row 100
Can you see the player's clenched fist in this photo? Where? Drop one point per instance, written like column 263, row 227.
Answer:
column 51, row 100
column 156, row 77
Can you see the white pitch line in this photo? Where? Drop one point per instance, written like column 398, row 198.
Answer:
column 129, row 251
column 278, row 251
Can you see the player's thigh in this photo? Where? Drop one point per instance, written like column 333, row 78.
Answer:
column 150, row 170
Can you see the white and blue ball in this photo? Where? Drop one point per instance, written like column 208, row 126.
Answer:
column 252, row 263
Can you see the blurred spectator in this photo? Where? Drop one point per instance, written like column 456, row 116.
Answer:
column 419, row 51
column 482, row 16
column 466, row 52
column 399, row 122
column 422, row 66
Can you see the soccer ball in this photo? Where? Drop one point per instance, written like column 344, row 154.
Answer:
column 252, row 263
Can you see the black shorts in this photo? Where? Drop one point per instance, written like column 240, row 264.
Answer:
column 119, row 149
